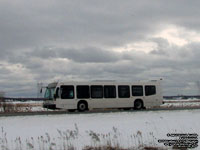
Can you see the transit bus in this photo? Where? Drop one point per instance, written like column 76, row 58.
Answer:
column 90, row 95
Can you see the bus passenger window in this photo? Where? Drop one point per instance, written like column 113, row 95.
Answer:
column 123, row 91
column 150, row 90
column 83, row 91
column 67, row 92
column 96, row 91
column 137, row 90
column 109, row 91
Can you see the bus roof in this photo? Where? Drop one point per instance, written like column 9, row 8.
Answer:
column 107, row 82
column 52, row 85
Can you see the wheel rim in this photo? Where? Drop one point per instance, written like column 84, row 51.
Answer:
column 82, row 106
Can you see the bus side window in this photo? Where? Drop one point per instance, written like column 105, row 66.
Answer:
column 67, row 92
column 123, row 91
column 96, row 91
column 83, row 91
column 109, row 91
column 150, row 90
column 137, row 90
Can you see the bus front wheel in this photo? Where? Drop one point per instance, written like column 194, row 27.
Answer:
column 82, row 106
column 138, row 104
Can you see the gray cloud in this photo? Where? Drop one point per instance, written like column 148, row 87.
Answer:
column 86, row 55
column 64, row 40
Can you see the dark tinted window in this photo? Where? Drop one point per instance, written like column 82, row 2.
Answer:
column 150, row 90
column 57, row 92
column 109, row 91
column 83, row 91
column 67, row 92
column 137, row 90
column 96, row 91
column 123, row 91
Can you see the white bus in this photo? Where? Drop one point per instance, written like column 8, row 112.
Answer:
column 84, row 96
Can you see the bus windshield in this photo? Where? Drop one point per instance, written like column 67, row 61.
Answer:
column 49, row 93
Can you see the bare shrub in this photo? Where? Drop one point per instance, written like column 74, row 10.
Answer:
column 106, row 147
column 11, row 107
column 8, row 107
column 3, row 140
column 67, row 141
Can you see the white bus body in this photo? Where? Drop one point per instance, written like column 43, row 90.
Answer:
column 108, row 94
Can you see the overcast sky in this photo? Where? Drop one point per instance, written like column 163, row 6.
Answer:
column 56, row 40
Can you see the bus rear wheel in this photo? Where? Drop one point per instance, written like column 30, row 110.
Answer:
column 138, row 104
column 82, row 106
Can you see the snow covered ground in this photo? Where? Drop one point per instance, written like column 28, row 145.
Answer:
column 125, row 128
column 31, row 106
column 181, row 105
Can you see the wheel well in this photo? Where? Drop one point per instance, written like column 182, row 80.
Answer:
column 139, row 100
column 83, row 101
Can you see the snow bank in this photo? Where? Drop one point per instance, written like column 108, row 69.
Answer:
column 151, row 125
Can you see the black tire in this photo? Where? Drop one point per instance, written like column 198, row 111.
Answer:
column 82, row 106
column 138, row 104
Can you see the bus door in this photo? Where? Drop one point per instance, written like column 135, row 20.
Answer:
column 66, row 99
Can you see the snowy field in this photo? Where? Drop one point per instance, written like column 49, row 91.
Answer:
column 127, row 129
